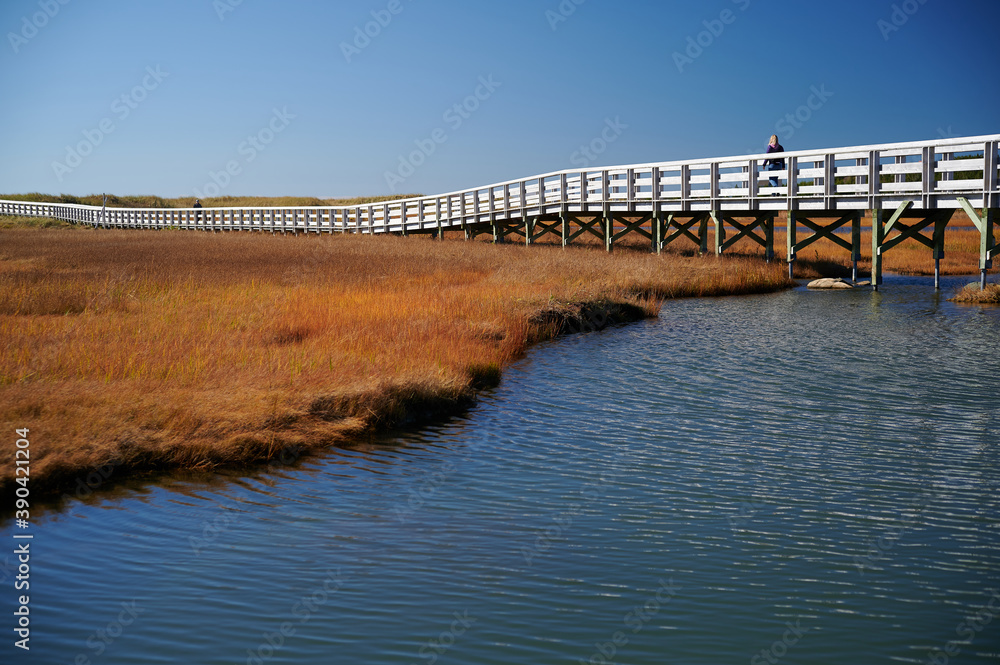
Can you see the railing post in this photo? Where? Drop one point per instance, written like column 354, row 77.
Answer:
column 753, row 184
column 829, row 180
column 437, row 217
column 493, row 203
column 792, row 163
column 927, row 176
column 714, row 193
column 991, row 196
column 657, row 223
column 874, row 180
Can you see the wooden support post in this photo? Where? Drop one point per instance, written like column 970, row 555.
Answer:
column 719, row 223
column 768, row 224
column 790, row 243
column 855, row 244
column 609, row 229
column 878, row 232
column 986, row 245
column 564, row 227
column 703, row 234
column 984, row 223
column 529, row 229
column 657, row 230
column 940, row 222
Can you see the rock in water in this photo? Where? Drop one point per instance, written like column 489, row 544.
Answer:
column 829, row 283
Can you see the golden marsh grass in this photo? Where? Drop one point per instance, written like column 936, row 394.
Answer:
column 153, row 351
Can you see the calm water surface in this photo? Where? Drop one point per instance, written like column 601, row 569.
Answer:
column 806, row 477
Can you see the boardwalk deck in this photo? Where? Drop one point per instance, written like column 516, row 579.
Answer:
column 904, row 187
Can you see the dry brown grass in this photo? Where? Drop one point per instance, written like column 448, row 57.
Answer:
column 154, row 351
column 972, row 294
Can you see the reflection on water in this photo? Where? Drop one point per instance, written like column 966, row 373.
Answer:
column 804, row 477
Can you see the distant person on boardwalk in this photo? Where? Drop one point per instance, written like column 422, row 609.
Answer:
column 197, row 215
column 774, row 164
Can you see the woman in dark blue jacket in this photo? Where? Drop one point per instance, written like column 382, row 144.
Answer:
column 774, row 164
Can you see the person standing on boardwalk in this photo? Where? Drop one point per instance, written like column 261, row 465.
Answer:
column 774, row 164
column 197, row 215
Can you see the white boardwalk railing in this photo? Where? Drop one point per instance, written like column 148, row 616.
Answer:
column 931, row 175
column 906, row 187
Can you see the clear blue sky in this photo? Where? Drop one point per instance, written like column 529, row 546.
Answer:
column 156, row 96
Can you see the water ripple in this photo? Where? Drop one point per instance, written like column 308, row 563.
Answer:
column 809, row 473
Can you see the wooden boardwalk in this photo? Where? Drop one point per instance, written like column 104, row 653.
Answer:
column 909, row 190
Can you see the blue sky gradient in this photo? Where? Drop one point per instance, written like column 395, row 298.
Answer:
column 321, row 98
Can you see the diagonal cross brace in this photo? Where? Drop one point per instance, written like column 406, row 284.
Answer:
column 746, row 231
column 683, row 229
column 635, row 226
column 501, row 231
column 554, row 228
column 912, row 231
column 824, row 231
column 586, row 227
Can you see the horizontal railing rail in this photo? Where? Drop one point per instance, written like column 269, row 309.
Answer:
column 931, row 175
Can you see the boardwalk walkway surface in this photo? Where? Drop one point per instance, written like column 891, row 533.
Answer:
column 905, row 188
